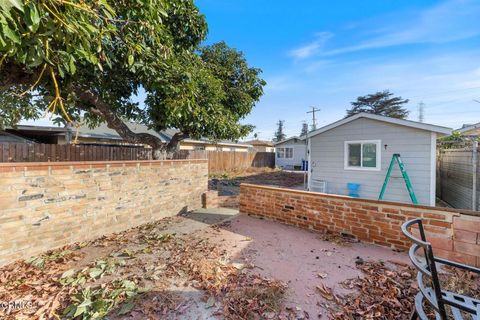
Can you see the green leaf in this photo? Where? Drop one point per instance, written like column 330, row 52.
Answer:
column 37, row 262
column 210, row 302
column 71, row 63
column 126, row 308
column 129, row 285
column 130, row 60
column 8, row 4
column 34, row 17
column 79, row 311
column 12, row 35
column 95, row 272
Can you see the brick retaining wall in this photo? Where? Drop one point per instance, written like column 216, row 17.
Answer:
column 454, row 234
column 211, row 199
column 47, row 205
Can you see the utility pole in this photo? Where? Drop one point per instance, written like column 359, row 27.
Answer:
column 314, row 119
column 421, row 111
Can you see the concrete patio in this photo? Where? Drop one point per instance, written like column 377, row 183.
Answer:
column 151, row 257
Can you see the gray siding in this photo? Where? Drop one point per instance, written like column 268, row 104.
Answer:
column 299, row 149
column 414, row 146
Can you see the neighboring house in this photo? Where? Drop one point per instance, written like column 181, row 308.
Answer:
column 261, row 145
column 359, row 150
column 470, row 130
column 39, row 134
column 290, row 153
column 105, row 136
column 206, row 144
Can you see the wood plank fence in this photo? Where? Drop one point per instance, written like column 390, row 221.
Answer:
column 218, row 160
column 36, row 152
column 458, row 172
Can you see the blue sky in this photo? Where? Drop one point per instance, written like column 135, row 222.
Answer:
column 327, row 53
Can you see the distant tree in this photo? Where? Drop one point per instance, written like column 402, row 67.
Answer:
column 382, row 103
column 304, row 129
column 279, row 134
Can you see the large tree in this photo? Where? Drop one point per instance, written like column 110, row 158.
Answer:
column 304, row 131
column 383, row 103
column 280, row 134
column 85, row 60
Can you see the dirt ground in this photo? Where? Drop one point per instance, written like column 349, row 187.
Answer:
column 213, row 264
column 228, row 183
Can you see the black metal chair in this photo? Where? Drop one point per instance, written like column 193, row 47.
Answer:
column 433, row 294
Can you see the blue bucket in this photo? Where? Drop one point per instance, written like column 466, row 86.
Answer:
column 353, row 189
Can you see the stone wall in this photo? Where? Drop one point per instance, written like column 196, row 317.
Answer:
column 48, row 205
column 454, row 234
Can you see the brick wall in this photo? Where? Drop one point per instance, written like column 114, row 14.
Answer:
column 211, row 199
column 454, row 234
column 47, row 205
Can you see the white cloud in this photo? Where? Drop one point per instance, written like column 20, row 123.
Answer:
column 312, row 48
column 449, row 21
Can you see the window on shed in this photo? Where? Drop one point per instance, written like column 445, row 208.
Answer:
column 362, row 155
column 285, row 153
column 289, row 153
column 280, row 153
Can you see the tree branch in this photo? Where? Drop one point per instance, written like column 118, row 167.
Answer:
column 116, row 123
column 173, row 145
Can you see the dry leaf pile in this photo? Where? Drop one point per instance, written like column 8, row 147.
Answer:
column 133, row 273
column 387, row 291
column 382, row 293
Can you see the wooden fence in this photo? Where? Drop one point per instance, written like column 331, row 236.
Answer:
column 36, row 152
column 458, row 172
column 218, row 160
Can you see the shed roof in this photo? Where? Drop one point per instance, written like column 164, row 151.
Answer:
column 407, row 123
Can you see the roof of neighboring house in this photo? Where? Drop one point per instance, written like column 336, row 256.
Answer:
column 104, row 132
column 401, row 122
column 258, row 142
column 169, row 133
column 39, row 129
column 294, row 138
column 470, row 127
column 11, row 138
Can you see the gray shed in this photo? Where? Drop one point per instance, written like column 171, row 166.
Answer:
column 290, row 153
column 359, row 149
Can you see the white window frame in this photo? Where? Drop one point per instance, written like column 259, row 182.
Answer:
column 378, row 144
column 284, row 150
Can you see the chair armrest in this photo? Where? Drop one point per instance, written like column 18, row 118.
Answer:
column 457, row 265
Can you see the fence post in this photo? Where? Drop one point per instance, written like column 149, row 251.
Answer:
column 474, row 174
